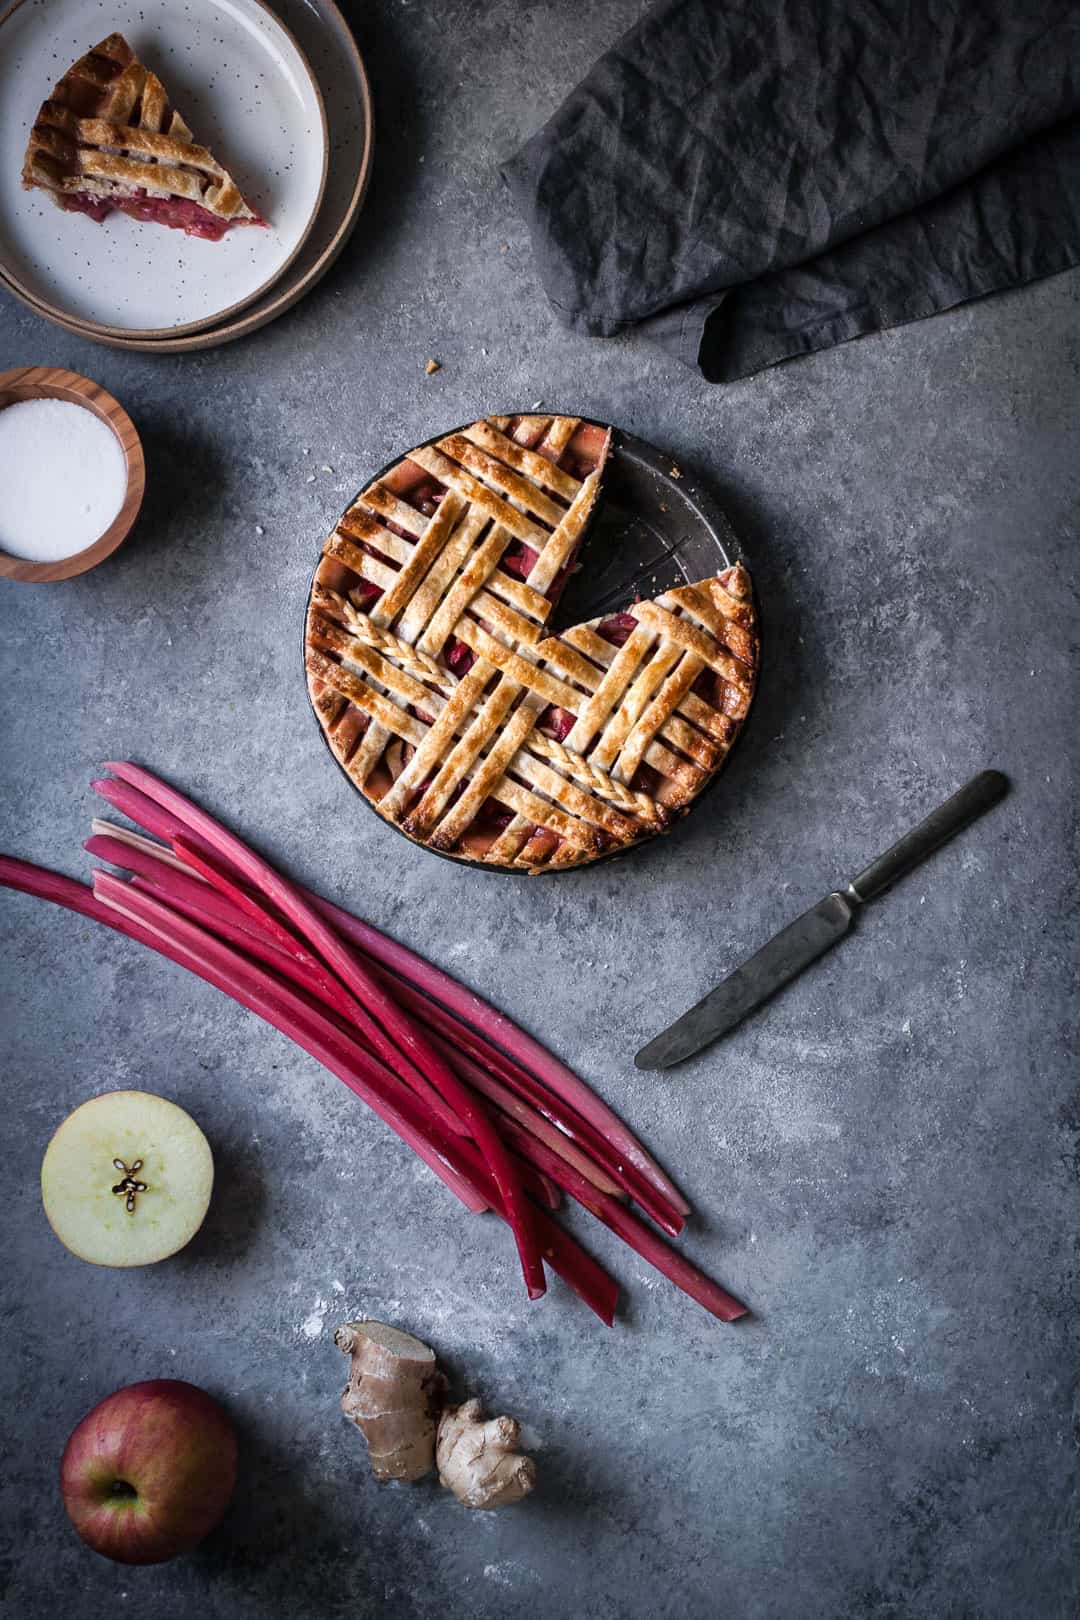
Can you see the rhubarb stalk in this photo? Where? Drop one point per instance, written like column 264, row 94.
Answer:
column 469, row 1008
column 308, row 1015
column 400, row 1031
column 254, row 930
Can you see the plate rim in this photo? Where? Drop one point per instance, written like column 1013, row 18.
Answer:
column 215, row 337
column 101, row 329
column 710, row 509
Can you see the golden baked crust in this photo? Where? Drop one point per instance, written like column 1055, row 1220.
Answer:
column 451, row 709
column 108, row 132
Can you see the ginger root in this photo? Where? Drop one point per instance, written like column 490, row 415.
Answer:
column 395, row 1397
column 479, row 1461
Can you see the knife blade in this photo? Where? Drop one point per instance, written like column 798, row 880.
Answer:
column 809, row 936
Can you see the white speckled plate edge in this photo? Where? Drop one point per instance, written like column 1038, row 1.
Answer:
column 258, row 37
column 337, row 63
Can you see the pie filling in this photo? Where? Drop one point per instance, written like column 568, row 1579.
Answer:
column 179, row 213
column 695, row 738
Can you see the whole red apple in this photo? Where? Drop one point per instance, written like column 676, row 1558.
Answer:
column 149, row 1472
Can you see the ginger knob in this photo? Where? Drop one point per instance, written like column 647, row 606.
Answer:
column 479, row 1461
column 394, row 1396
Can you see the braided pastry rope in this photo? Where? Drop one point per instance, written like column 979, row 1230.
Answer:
column 596, row 780
column 426, row 669
column 384, row 641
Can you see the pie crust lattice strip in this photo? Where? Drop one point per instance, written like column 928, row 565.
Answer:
column 109, row 139
column 455, row 712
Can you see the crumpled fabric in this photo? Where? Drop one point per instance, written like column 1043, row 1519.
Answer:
column 750, row 180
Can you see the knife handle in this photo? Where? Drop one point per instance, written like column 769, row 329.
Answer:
column 978, row 795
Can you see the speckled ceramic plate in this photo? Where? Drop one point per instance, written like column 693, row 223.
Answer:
column 327, row 41
column 244, row 86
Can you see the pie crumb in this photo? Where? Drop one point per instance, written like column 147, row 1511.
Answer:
column 675, row 473
column 432, row 367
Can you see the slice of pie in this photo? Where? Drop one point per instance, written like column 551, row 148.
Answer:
column 455, row 712
column 108, row 140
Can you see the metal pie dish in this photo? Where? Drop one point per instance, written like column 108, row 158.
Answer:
column 655, row 528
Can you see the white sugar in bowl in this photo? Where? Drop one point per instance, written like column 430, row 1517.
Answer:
column 72, row 474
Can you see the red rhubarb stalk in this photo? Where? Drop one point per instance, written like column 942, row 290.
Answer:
column 134, row 840
column 577, row 1268
column 152, row 923
column 564, row 1119
column 225, row 925
column 172, row 878
column 213, row 873
column 193, row 947
column 494, row 1026
column 466, row 1007
column 144, row 812
column 387, row 1016
column 73, row 896
column 469, row 1054
column 317, row 980
column 454, row 1160
column 197, row 902
column 529, row 1120
column 682, row 1272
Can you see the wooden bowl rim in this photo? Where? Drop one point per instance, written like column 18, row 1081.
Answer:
column 54, row 382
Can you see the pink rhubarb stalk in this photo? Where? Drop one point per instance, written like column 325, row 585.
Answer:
column 469, row 1008
column 622, row 1221
column 387, row 1016
column 495, row 1027
column 317, row 979
column 151, row 922
column 267, row 939
column 73, row 896
column 196, row 900
column 193, row 947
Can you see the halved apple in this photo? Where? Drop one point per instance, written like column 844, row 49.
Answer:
column 126, row 1180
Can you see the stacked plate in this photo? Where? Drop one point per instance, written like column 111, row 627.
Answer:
column 280, row 95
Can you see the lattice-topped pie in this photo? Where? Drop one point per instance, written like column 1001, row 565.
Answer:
column 108, row 139
column 456, row 713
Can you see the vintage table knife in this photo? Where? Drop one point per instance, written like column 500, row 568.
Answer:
column 802, row 941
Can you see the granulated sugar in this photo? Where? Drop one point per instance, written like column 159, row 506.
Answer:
column 63, row 478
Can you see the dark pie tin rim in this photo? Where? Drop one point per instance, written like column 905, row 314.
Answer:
column 709, row 526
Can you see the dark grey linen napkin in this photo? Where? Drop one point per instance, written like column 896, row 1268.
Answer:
column 750, row 181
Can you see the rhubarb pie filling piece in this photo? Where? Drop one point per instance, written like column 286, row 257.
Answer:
column 109, row 141
column 453, row 709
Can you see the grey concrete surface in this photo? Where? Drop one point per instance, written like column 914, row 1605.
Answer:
column 884, row 1163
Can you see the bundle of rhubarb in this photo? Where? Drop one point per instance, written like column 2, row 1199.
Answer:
column 501, row 1121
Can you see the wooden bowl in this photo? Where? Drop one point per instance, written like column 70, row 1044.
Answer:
column 49, row 382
